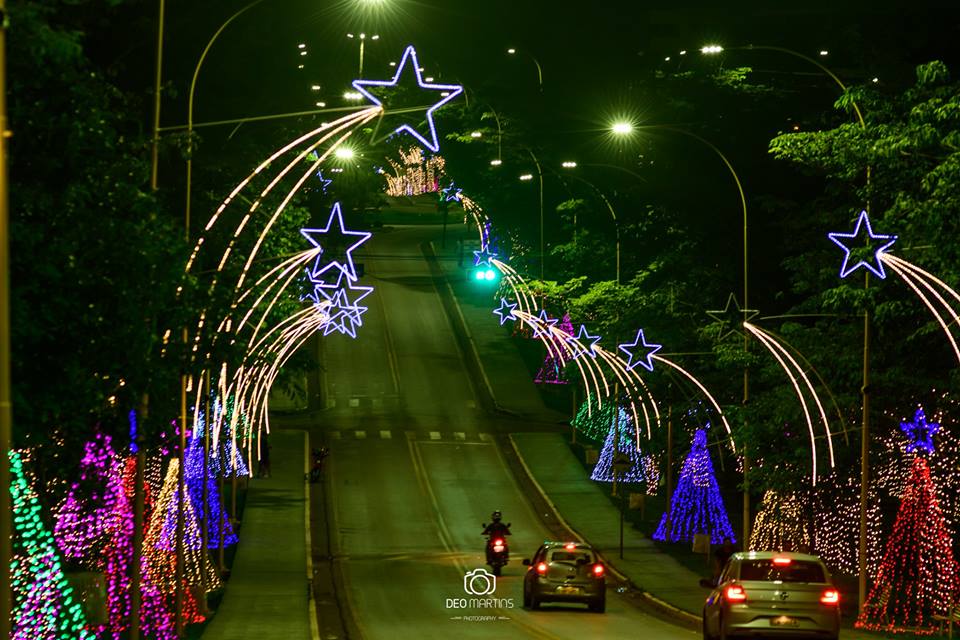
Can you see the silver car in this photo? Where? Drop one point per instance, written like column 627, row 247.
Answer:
column 772, row 594
column 565, row 572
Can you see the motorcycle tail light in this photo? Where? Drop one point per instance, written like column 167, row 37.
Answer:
column 735, row 593
column 498, row 546
column 542, row 568
column 830, row 596
column 598, row 571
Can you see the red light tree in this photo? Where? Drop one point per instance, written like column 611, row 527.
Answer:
column 918, row 574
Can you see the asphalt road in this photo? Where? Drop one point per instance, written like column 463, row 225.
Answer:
column 413, row 473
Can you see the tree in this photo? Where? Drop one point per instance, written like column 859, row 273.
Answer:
column 918, row 577
column 696, row 506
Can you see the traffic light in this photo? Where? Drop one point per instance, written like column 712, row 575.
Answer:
column 483, row 274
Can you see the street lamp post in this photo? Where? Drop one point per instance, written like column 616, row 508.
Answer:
column 6, row 410
column 513, row 51
column 865, row 386
column 536, row 163
column 362, row 37
column 626, row 128
column 613, row 213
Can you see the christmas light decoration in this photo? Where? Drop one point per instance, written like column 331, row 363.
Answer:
column 783, row 523
column 551, row 371
column 160, row 541
column 920, row 433
column 644, row 468
column 696, row 506
column 345, row 313
column 451, row 193
column 330, row 233
column 881, row 242
column 211, row 511
column 576, row 343
column 414, row 174
column 43, row 604
column 410, row 59
column 918, row 577
column 641, row 345
column 505, row 311
column 731, row 317
column 483, row 257
column 542, row 327
column 80, row 520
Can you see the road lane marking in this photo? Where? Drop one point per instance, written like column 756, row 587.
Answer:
column 459, row 435
column 486, row 437
column 360, row 435
column 385, row 435
column 434, row 435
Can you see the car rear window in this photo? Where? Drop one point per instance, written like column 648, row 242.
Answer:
column 570, row 556
column 767, row 571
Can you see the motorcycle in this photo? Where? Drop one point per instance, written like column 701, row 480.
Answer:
column 317, row 469
column 498, row 551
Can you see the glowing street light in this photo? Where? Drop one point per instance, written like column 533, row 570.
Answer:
column 824, row 52
column 711, row 49
column 352, row 95
column 496, row 162
column 511, row 51
column 476, row 134
column 568, row 164
column 622, row 128
column 321, row 104
column 527, row 176
column 362, row 37
column 344, row 153
column 315, row 87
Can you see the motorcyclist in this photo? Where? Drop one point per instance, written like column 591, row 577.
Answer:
column 496, row 529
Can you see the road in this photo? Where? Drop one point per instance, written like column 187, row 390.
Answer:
column 414, row 471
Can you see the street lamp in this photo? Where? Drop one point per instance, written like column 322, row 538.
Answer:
column 622, row 128
column 513, row 51
column 362, row 37
column 344, row 153
column 606, row 201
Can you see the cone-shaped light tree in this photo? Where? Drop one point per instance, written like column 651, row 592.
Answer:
column 644, row 467
column 696, row 506
column 552, row 370
column 782, row 523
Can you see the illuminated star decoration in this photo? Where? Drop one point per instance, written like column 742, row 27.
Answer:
column 344, row 312
column 451, row 193
column 410, row 59
column 542, row 328
column 577, row 343
column 873, row 239
column 505, row 311
column 346, row 265
column 324, row 182
column 483, row 256
column 640, row 344
column 732, row 317
column 920, row 432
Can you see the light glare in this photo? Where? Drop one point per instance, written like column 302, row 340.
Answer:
column 344, row 153
column 526, row 176
column 622, row 128
column 568, row 164
column 711, row 48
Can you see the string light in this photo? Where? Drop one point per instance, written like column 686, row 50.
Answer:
column 696, row 506
column 644, row 468
column 414, row 174
column 782, row 523
column 551, row 371
column 881, row 242
column 641, row 345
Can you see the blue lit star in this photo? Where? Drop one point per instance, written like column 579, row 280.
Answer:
column 324, row 182
column 344, row 312
column 505, row 311
column 920, row 432
column 410, row 59
column 451, row 193
column 331, row 232
column 640, row 344
column 872, row 239
column 483, row 256
column 577, row 343
column 542, row 328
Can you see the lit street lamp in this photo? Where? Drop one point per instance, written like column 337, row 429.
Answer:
column 362, row 37
column 606, row 201
column 513, row 51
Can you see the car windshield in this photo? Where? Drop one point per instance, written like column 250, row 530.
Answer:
column 570, row 556
column 767, row 571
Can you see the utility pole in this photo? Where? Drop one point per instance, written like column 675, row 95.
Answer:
column 6, row 407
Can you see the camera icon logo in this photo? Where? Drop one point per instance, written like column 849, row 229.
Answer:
column 479, row 582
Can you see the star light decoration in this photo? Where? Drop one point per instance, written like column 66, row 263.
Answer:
column 640, row 344
column 577, row 343
column 920, row 432
column 505, row 311
column 872, row 240
column 732, row 316
column 410, row 59
column 483, row 256
column 542, row 328
column 332, row 281
column 451, row 193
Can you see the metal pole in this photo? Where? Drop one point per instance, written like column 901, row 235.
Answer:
column 181, row 499
column 205, row 490
column 621, row 518
column 6, row 408
column 669, row 470
column 360, row 71
column 864, row 459
column 536, row 162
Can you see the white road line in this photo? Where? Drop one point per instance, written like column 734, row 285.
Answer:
column 360, row 435
column 386, row 435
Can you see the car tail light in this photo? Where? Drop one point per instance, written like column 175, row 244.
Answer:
column 542, row 568
column 598, row 571
column 498, row 546
column 830, row 596
column 781, row 561
column 735, row 593
column 570, row 546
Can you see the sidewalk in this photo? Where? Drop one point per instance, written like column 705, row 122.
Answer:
column 582, row 503
column 266, row 596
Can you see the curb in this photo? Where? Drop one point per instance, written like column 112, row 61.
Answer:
column 680, row 615
column 312, row 607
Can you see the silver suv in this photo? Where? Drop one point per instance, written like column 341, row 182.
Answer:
column 773, row 594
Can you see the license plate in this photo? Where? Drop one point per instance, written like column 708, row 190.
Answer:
column 784, row 621
column 568, row 591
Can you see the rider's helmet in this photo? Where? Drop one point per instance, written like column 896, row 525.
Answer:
column 496, row 516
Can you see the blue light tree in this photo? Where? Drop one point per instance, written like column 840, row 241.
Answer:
column 643, row 467
column 217, row 522
column 696, row 506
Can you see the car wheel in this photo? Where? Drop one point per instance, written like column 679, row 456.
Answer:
column 599, row 605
